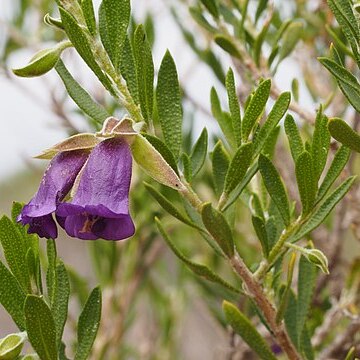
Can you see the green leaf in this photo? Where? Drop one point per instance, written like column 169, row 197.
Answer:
column 260, row 229
column 319, row 215
column 277, row 112
column 259, row 42
column 145, row 72
column 291, row 37
column 320, row 144
column 234, row 106
column 227, row 45
column 199, row 152
column 42, row 62
column 218, row 227
column 12, row 297
column 226, row 126
column 51, row 269
column 80, row 96
column 40, row 327
column 305, row 344
column 163, row 150
column 59, row 305
column 290, row 318
column 343, row 133
column 128, row 69
column 169, row 104
column 306, row 180
column 340, row 160
column 198, row 269
column 346, row 80
column 242, row 326
column 87, row 8
column 187, row 170
column 220, row 165
column 11, row 346
column 212, row 6
column 293, row 134
column 238, row 167
column 306, row 284
column 80, row 42
column 169, row 207
column 88, row 325
column 197, row 15
column 275, row 187
column 255, row 108
column 114, row 17
column 14, row 251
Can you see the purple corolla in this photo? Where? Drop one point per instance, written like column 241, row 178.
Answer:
column 100, row 206
column 55, row 184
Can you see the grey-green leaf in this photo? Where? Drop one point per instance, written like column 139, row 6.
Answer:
column 306, row 180
column 199, row 152
column 234, row 106
column 80, row 96
column 114, row 17
column 12, row 297
column 293, row 134
column 260, row 229
column 291, row 37
column 88, row 325
column 343, row 133
column 218, row 227
column 40, row 327
column 324, row 209
column 255, row 108
column 87, row 8
column 275, row 187
column 242, row 326
column 220, row 164
column 212, row 6
column 198, row 269
column 169, row 104
column 144, row 72
column 238, row 167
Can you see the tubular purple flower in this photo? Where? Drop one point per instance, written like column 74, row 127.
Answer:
column 100, row 207
column 57, row 181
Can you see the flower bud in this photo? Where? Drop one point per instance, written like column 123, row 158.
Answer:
column 11, row 346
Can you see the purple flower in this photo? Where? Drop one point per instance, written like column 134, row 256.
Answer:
column 55, row 184
column 100, row 207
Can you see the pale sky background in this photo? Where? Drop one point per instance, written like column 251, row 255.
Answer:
column 28, row 127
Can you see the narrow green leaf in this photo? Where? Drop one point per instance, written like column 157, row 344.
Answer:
column 227, row 45
column 291, row 37
column 145, row 72
column 59, row 306
column 259, row 42
column 277, row 112
column 255, row 108
column 234, row 106
column 198, row 269
column 51, row 269
column 88, row 325
column 12, row 297
column 295, row 89
column 226, row 126
column 169, row 207
column 218, row 227
column 14, row 251
column 340, row 160
column 87, row 8
column 80, row 42
column 319, row 215
column 260, row 229
column 169, row 104
column 343, row 133
column 80, row 96
column 238, row 167
column 275, row 187
column 187, row 169
column 305, row 344
column 306, row 181
column 199, row 152
column 40, row 327
column 114, row 17
column 128, row 69
column 197, row 15
column 220, row 165
column 320, row 144
column 163, row 149
column 347, row 81
column 306, row 284
column 242, row 326
column 212, row 6
column 293, row 134
column 290, row 318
